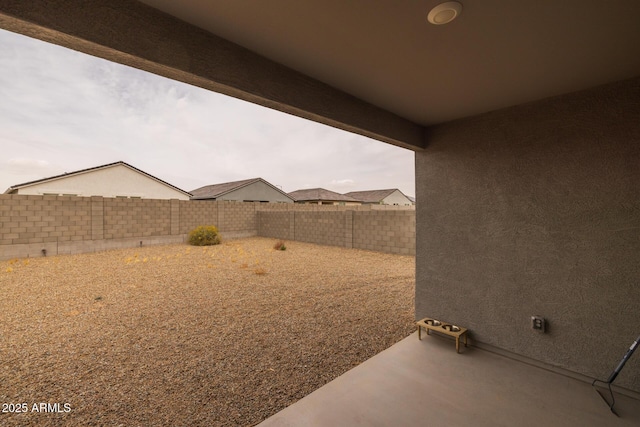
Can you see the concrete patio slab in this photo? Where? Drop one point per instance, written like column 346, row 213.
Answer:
column 426, row 383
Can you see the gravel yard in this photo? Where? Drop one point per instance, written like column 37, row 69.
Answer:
column 178, row 335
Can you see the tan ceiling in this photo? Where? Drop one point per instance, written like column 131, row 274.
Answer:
column 496, row 54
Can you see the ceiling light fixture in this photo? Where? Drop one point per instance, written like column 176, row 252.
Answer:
column 444, row 13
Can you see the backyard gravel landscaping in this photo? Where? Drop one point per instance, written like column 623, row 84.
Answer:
column 178, row 335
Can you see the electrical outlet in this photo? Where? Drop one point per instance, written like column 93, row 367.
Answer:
column 538, row 323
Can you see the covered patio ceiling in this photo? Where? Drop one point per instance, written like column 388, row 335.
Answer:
column 495, row 54
column 377, row 68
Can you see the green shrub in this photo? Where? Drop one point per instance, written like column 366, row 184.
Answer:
column 204, row 235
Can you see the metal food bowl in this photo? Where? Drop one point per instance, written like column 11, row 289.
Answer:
column 433, row 322
column 452, row 328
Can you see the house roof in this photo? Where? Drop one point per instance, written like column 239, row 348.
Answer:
column 371, row 196
column 13, row 188
column 320, row 194
column 217, row 190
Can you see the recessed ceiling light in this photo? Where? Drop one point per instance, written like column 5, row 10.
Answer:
column 444, row 13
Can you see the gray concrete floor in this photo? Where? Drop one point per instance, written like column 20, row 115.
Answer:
column 425, row 383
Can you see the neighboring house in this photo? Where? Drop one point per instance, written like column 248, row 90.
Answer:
column 381, row 197
column 320, row 196
column 249, row 190
column 117, row 179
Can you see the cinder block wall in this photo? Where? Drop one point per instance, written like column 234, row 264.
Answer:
column 65, row 225
column 385, row 231
column 276, row 224
column 29, row 224
column 237, row 218
column 197, row 212
column 323, row 228
column 128, row 218
column 391, row 231
column 37, row 219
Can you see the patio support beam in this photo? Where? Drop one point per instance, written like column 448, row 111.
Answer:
column 134, row 34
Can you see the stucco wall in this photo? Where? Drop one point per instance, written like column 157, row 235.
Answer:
column 113, row 181
column 535, row 210
column 258, row 192
column 397, row 198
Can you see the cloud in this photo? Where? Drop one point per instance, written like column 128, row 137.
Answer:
column 342, row 183
column 22, row 162
column 78, row 111
column 32, row 167
column 22, row 169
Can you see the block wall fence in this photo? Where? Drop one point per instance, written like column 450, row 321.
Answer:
column 391, row 231
column 68, row 225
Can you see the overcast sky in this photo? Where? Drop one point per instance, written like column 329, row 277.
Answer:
column 62, row 111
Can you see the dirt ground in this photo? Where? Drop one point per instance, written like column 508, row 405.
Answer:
column 177, row 335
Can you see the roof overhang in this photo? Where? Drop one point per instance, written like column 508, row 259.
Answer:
column 374, row 68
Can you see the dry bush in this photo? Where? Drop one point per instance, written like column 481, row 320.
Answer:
column 204, row 235
column 280, row 246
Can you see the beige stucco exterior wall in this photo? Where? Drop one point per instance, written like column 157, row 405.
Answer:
column 323, row 203
column 257, row 192
column 113, row 181
column 535, row 210
column 397, row 198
